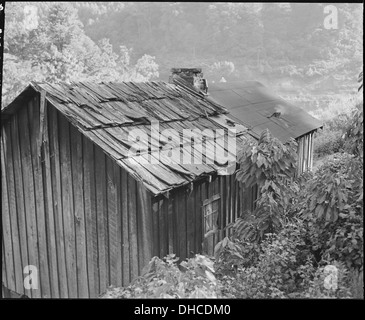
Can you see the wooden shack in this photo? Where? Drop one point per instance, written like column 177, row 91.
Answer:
column 82, row 210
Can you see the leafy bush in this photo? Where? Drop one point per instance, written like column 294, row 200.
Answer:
column 327, row 142
column 356, row 280
column 193, row 278
column 338, row 128
column 355, row 132
column 320, row 226
column 321, row 287
column 271, row 166
column 284, row 267
column 333, row 210
column 231, row 255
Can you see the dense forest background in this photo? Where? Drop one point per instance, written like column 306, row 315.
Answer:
column 283, row 45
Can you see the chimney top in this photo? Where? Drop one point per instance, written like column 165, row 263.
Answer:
column 193, row 76
column 186, row 70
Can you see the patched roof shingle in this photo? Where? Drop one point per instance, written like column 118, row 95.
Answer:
column 107, row 113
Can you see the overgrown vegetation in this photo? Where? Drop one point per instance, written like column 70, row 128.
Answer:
column 337, row 120
column 163, row 278
column 321, row 225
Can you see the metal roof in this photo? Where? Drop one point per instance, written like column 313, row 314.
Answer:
column 107, row 113
column 258, row 108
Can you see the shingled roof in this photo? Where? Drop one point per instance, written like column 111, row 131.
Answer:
column 107, row 113
column 258, row 108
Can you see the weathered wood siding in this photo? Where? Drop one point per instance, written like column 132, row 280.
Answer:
column 178, row 219
column 305, row 153
column 68, row 209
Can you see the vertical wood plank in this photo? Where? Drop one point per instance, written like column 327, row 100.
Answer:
column 79, row 212
column 300, row 156
column 125, row 224
column 146, row 225
column 305, row 154
column 204, row 196
column 222, row 216
column 298, row 153
column 211, row 190
column 50, row 219
column 219, row 221
column 308, row 153
column 3, row 259
column 163, row 227
column 170, row 210
column 181, row 222
column 8, row 151
column 308, row 147
column 198, row 219
column 139, row 230
column 237, row 199
column 156, row 214
column 19, row 194
column 34, row 118
column 111, row 184
column 29, row 189
column 232, row 199
column 6, row 225
column 190, row 213
column 106, row 223
column 175, row 231
column 57, row 208
column 217, row 191
column 311, row 151
column 100, row 184
column 227, row 202
column 91, row 218
column 118, row 212
column 132, row 229
column 68, row 206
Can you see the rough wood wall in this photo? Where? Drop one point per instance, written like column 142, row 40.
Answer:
column 68, row 209
column 305, row 153
column 177, row 220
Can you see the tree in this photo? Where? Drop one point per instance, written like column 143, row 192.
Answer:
column 57, row 49
column 271, row 166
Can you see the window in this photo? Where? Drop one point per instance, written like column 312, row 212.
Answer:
column 210, row 215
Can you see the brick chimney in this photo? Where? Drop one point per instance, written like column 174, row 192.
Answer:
column 192, row 77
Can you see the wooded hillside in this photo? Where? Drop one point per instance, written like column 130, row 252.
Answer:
column 286, row 46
